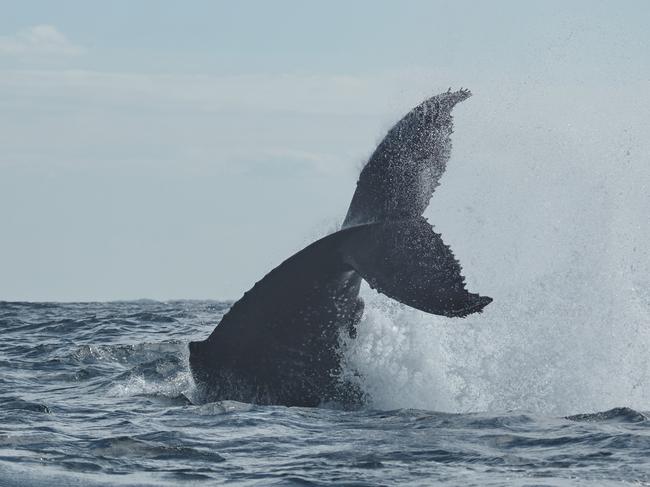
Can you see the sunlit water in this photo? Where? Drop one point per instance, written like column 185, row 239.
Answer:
column 100, row 394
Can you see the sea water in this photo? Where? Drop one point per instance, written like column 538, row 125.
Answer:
column 101, row 394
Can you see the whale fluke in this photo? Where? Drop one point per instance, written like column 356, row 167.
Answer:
column 279, row 343
column 407, row 261
column 405, row 169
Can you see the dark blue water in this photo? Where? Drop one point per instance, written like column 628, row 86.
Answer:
column 100, row 394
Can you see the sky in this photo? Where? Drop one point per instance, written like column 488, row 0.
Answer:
column 165, row 150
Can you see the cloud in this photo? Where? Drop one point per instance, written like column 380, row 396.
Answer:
column 286, row 93
column 39, row 40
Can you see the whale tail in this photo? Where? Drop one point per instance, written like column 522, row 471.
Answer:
column 278, row 343
column 402, row 257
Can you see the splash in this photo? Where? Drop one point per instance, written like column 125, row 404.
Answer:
column 554, row 227
column 546, row 349
column 161, row 370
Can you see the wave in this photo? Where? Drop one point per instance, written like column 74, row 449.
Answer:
column 615, row 415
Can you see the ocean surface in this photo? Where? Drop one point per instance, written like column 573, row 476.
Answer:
column 101, row 394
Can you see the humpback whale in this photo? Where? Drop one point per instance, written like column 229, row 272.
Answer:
column 279, row 344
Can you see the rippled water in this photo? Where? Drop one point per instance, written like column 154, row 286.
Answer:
column 100, row 394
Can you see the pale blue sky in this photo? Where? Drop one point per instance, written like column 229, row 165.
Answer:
column 183, row 149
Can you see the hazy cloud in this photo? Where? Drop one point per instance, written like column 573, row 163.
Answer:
column 39, row 40
column 287, row 93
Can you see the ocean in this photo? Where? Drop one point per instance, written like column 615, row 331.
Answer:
column 101, row 394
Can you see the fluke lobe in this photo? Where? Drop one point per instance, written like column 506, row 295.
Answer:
column 279, row 343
